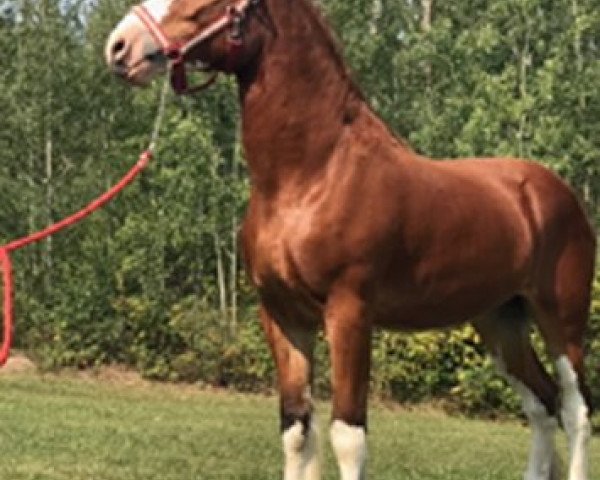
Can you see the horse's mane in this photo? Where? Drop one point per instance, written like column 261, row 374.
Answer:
column 330, row 39
column 318, row 19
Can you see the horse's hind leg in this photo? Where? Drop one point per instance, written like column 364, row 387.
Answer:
column 561, row 305
column 575, row 397
column 506, row 333
column 292, row 349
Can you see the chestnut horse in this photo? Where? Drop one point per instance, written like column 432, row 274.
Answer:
column 348, row 229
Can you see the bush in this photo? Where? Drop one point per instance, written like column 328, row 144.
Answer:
column 216, row 356
column 450, row 366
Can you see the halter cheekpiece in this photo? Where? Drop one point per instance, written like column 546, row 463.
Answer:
column 232, row 18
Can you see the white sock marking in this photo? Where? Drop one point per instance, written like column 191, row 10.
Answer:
column 301, row 452
column 543, row 461
column 350, row 447
column 574, row 413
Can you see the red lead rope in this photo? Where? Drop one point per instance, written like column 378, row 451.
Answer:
column 52, row 229
column 8, row 306
column 99, row 202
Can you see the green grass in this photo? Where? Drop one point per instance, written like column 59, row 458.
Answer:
column 54, row 428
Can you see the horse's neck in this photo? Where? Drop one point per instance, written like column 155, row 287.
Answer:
column 295, row 106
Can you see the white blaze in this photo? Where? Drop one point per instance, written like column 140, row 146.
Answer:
column 157, row 8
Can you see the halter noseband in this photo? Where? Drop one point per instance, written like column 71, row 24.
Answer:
column 175, row 52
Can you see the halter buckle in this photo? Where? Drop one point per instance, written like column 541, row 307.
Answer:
column 174, row 53
column 236, row 17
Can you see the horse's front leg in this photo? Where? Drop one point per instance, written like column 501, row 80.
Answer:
column 292, row 347
column 349, row 336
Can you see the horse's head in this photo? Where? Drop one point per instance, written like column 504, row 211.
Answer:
column 210, row 34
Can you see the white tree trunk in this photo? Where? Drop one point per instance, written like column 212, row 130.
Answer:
column 221, row 283
column 426, row 20
column 577, row 45
column 524, row 64
column 49, row 202
column 233, row 254
column 427, row 15
column 376, row 12
column 233, row 266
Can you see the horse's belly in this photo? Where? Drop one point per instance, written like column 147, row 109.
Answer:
column 441, row 307
column 426, row 317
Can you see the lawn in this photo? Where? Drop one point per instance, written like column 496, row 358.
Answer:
column 69, row 427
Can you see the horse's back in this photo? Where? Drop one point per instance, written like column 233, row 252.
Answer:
column 477, row 232
column 556, row 216
column 549, row 204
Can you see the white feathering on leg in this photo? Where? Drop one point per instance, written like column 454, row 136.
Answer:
column 574, row 414
column 543, row 461
column 350, row 447
column 301, row 450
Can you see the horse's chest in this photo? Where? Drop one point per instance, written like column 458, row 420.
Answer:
column 277, row 262
column 264, row 247
column 271, row 259
column 283, row 250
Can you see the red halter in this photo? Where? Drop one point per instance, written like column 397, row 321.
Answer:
column 176, row 51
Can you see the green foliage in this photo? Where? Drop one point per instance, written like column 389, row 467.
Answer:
column 213, row 356
column 445, row 365
column 155, row 281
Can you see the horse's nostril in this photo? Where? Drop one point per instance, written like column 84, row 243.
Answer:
column 118, row 47
column 117, row 53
